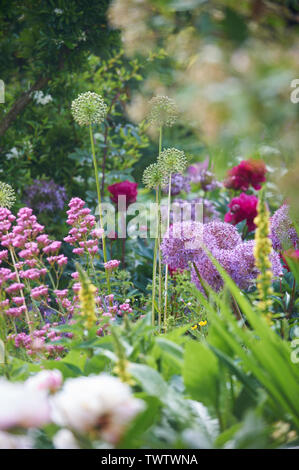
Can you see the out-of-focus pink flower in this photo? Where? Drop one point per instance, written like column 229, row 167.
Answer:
column 40, row 291
column 242, row 208
column 125, row 188
column 112, row 264
column 248, row 173
column 50, row 380
column 21, row 406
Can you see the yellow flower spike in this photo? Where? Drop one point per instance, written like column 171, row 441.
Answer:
column 87, row 299
column 262, row 250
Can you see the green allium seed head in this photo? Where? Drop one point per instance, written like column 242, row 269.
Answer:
column 172, row 161
column 152, row 176
column 7, row 195
column 89, row 108
column 163, row 111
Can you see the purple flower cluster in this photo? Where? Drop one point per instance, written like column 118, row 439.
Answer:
column 40, row 341
column 181, row 243
column 283, row 232
column 199, row 173
column 192, row 210
column 184, row 243
column 179, row 183
column 45, row 196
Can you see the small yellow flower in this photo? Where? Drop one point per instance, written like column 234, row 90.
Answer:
column 203, row 323
column 194, row 327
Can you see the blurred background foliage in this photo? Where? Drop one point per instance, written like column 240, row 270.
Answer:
column 228, row 64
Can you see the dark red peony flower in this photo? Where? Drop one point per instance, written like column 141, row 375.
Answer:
column 125, row 188
column 242, row 208
column 290, row 255
column 248, row 172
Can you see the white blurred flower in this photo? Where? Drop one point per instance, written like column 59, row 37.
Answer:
column 40, row 98
column 65, row 439
column 50, row 380
column 99, row 402
column 11, row 441
column 13, row 153
column 22, row 406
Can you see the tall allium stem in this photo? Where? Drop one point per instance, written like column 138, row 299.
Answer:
column 100, row 203
column 160, row 236
column 166, row 266
column 262, row 250
column 155, row 264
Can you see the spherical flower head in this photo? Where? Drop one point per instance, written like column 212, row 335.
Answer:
column 283, row 232
column 163, row 111
column 171, row 161
column 152, row 176
column 242, row 208
column 219, row 239
column 206, row 269
column 243, row 268
column 89, row 108
column 7, row 195
column 221, row 235
column 181, row 242
column 248, row 172
column 124, row 188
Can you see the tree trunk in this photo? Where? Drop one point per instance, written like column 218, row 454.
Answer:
column 20, row 104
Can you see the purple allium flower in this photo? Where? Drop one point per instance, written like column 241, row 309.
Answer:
column 179, row 183
column 242, row 267
column 45, row 196
column 222, row 236
column 283, row 232
column 181, row 243
column 199, row 173
column 220, row 239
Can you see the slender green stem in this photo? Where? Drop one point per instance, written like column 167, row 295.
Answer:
column 21, row 290
column 155, row 264
column 159, row 239
column 100, row 203
column 166, row 266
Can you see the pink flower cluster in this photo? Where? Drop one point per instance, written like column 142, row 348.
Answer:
column 112, row 264
column 41, row 341
column 26, row 246
column 83, row 236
